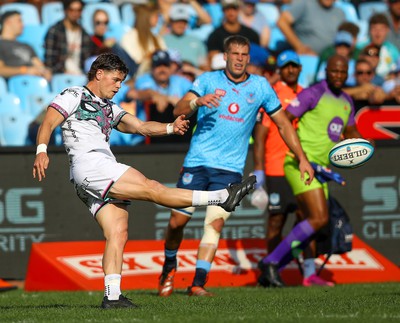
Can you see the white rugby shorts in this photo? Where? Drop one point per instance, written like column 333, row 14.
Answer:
column 93, row 175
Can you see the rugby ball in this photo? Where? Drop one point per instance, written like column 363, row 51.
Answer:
column 350, row 153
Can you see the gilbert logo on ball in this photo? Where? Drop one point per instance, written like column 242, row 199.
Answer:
column 351, row 153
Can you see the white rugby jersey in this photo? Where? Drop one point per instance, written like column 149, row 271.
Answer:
column 88, row 121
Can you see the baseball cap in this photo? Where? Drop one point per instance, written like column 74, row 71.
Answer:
column 230, row 3
column 286, row 57
column 179, row 12
column 160, row 57
column 258, row 55
column 343, row 38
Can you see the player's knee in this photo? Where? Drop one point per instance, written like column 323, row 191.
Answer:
column 218, row 224
column 213, row 224
column 179, row 218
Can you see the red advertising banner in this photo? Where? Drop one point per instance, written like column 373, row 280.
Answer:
column 77, row 265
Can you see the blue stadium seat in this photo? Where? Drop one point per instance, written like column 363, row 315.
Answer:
column 10, row 102
column 270, row 12
column 349, row 10
column 367, row 9
column 52, row 12
column 127, row 14
column 39, row 102
column 215, row 12
column 14, row 128
column 34, row 36
column 277, row 38
column 202, row 32
column 309, row 69
column 89, row 9
column 117, row 31
column 3, row 86
column 30, row 14
column 26, row 85
column 61, row 81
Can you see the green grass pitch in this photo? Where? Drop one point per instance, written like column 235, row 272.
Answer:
column 343, row 303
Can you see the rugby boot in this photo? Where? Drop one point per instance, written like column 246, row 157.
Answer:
column 269, row 276
column 166, row 283
column 122, row 302
column 237, row 192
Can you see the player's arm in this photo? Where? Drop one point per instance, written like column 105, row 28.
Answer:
column 51, row 120
column 190, row 102
column 260, row 136
column 132, row 124
column 291, row 139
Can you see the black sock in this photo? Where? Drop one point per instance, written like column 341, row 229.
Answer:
column 169, row 264
column 200, row 277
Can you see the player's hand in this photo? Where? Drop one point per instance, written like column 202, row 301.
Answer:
column 181, row 125
column 305, row 167
column 209, row 100
column 40, row 165
column 260, row 177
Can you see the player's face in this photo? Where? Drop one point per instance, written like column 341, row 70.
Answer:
column 237, row 59
column 290, row 73
column 110, row 83
column 336, row 72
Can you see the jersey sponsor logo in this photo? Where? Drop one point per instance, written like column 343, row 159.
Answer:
column 220, row 92
column 335, row 129
column 251, row 98
column 382, row 123
column 274, row 198
column 233, row 108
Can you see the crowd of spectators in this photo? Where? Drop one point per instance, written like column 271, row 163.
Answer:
column 168, row 43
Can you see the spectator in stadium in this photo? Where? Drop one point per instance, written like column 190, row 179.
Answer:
column 161, row 89
column 230, row 26
column 394, row 21
column 270, row 150
column 15, row 57
column 365, row 92
column 252, row 18
column 325, row 114
column 67, row 44
column 371, row 53
column 191, row 48
column 141, row 45
column 378, row 35
column 100, row 27
column 343, row 46
column 103, row 184
column 310, row 26
column 227, row 102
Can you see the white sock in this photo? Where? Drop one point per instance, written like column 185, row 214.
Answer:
column 112, row 286
column 202, row 198
column 309, row 267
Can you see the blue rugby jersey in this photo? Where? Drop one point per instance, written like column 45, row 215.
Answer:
column 222, row 135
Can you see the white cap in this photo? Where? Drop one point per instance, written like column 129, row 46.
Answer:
column 178, row 12
column 218, row 62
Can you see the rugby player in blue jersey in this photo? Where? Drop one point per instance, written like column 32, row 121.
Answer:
column 227, row 102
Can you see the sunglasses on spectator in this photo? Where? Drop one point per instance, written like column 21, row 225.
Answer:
column 99, row 22
column 363, row 72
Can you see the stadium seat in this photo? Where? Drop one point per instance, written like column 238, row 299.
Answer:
column 26, row 85
column 270, row 12
column 349, row 10
column 127, row 14
column 309, row 69
column 367, row 9
column 277, row 38
column 117, row 31
column 362, row 36
column 202, row 32
column 30, row 14
column 39, row 102
column 61, row 81
column 34, row 36
column 10, row 102
column 89, row 9
column 52, row 12
column 3, row 86
column 215, row 12
column 14, row 128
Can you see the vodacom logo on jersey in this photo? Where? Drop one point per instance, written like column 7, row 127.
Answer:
column 233, row 108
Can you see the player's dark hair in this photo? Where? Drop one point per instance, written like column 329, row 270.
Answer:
column 237, row 40
column 67, row 3
column 107, row 62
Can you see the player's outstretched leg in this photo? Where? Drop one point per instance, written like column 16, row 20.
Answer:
column 237, row 192
column 122, row 302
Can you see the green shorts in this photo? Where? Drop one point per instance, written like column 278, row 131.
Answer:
column 292, row 174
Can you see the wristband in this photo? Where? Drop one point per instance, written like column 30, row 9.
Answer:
column 170, row 129
column 42, row 148
column 193, row 104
